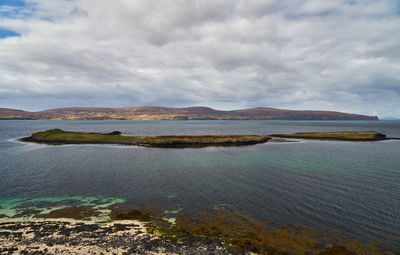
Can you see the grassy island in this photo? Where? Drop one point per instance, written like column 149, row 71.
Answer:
column 340, row 136
column 58, row 136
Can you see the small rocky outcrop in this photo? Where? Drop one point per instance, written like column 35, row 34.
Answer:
column 114, row 133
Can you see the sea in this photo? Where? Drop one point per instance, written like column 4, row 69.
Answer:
column 350, row 187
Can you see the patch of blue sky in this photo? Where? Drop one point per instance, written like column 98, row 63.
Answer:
column 18, row 9
column 398, row 7
column 4, row 33
column 351, row 2
column 12, row 3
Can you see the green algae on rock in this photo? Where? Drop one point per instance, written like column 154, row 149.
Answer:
column 245, row 234
column 232, row 231
column 58, row 136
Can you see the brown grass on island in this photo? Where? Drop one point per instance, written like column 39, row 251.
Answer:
column 340, row 136
column 58, row 136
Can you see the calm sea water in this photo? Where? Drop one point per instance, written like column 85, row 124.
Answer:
column 350, row 186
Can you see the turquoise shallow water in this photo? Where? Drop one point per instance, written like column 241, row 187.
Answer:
column 350, row 186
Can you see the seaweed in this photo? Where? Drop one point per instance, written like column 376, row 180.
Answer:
column 245, row 234
column 74, row 212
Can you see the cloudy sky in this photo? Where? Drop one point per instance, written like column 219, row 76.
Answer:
column 339, row 55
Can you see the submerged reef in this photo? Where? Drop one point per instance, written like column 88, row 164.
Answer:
column 74, row 212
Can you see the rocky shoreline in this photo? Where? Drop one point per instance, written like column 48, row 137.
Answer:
column 119, row 237
column 77, row 230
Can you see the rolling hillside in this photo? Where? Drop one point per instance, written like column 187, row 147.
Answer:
column 189, row 113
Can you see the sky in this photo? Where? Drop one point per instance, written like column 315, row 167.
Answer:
column 341, row 55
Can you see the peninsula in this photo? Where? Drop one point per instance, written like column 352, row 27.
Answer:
column 58, row 137
column 167, row 113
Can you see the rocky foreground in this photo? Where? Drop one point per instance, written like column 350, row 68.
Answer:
column 120, row 237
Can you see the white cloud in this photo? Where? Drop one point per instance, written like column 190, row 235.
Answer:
column 341, row 55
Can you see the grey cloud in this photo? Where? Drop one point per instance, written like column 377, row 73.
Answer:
column 340, row 55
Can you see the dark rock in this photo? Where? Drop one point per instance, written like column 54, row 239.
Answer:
column 114, row 133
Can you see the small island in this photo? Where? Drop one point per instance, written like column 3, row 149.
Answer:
column 58, row 136
column 338, row 136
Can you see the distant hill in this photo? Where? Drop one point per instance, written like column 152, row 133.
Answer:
column 165, row 113
column 6, row 113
